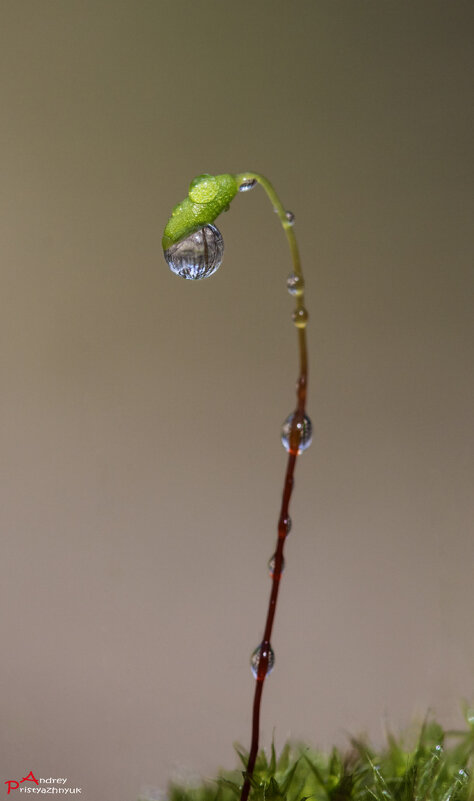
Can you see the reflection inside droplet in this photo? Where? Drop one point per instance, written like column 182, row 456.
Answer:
column 287, row 524
column 295, row 284
column 300, row 317
column 247, row 183
column 257, row 655
column 272, row 564
column 304, row 427
column 197, row 256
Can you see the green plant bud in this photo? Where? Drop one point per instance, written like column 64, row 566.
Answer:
column 208, row 196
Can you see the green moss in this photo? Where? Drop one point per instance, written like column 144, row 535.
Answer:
column 436, row 767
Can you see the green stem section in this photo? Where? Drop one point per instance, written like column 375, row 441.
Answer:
column 280, row 210
column 295, row 255
column 299, row 318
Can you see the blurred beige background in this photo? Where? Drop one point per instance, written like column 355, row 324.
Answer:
column 141, row 462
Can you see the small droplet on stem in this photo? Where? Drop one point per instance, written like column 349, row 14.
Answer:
column 257, row 655
column 295, row 284
column 272, row 564
column 247, row 184
column 300, row 317
column 287, row 524
column 290, row 217
column 304, row 427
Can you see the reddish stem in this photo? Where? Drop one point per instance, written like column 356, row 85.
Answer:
column 295, row 435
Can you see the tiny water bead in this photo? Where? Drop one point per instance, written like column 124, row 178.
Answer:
column 197, row 256
column 300, row 317
column 290, row 217
column 257, row 655
column 304, row 427
column 247, row 184
column 295, row 284
column 272, row 563
column 287, row 524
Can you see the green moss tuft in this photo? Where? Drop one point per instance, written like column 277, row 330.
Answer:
column 437, row 767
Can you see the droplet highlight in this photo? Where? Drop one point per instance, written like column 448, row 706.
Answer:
column 198, row 256
column 290, row 217
column 295, row 284
column 304, row 427
column 257, row 656
column 300, row 317
column 272, row 564
column 287, row 524
column 247, row 184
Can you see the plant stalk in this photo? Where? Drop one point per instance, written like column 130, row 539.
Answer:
column 295, row 435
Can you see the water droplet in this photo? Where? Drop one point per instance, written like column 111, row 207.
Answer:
column 304, row 427
column 295, row 284
column 247, row 184
column 287, row 524
column 290, row 217
column 203, row 188
column 257, row 655
column 284, row 525
column 197, row 256
column 300, row 317
column 272, row 563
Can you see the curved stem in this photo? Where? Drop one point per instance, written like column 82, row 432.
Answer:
column 299, row 318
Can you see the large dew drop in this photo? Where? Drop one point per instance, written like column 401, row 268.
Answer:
column 197, row 256
column 255, row 660
column 304, row 427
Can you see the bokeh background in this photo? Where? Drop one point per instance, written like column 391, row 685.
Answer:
column 140, row 414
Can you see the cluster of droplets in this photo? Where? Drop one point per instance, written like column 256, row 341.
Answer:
column 197, row 256
column 295, row 286
column 258, row 654
column 203, row 188
column 304, row 429
column 255, row 658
